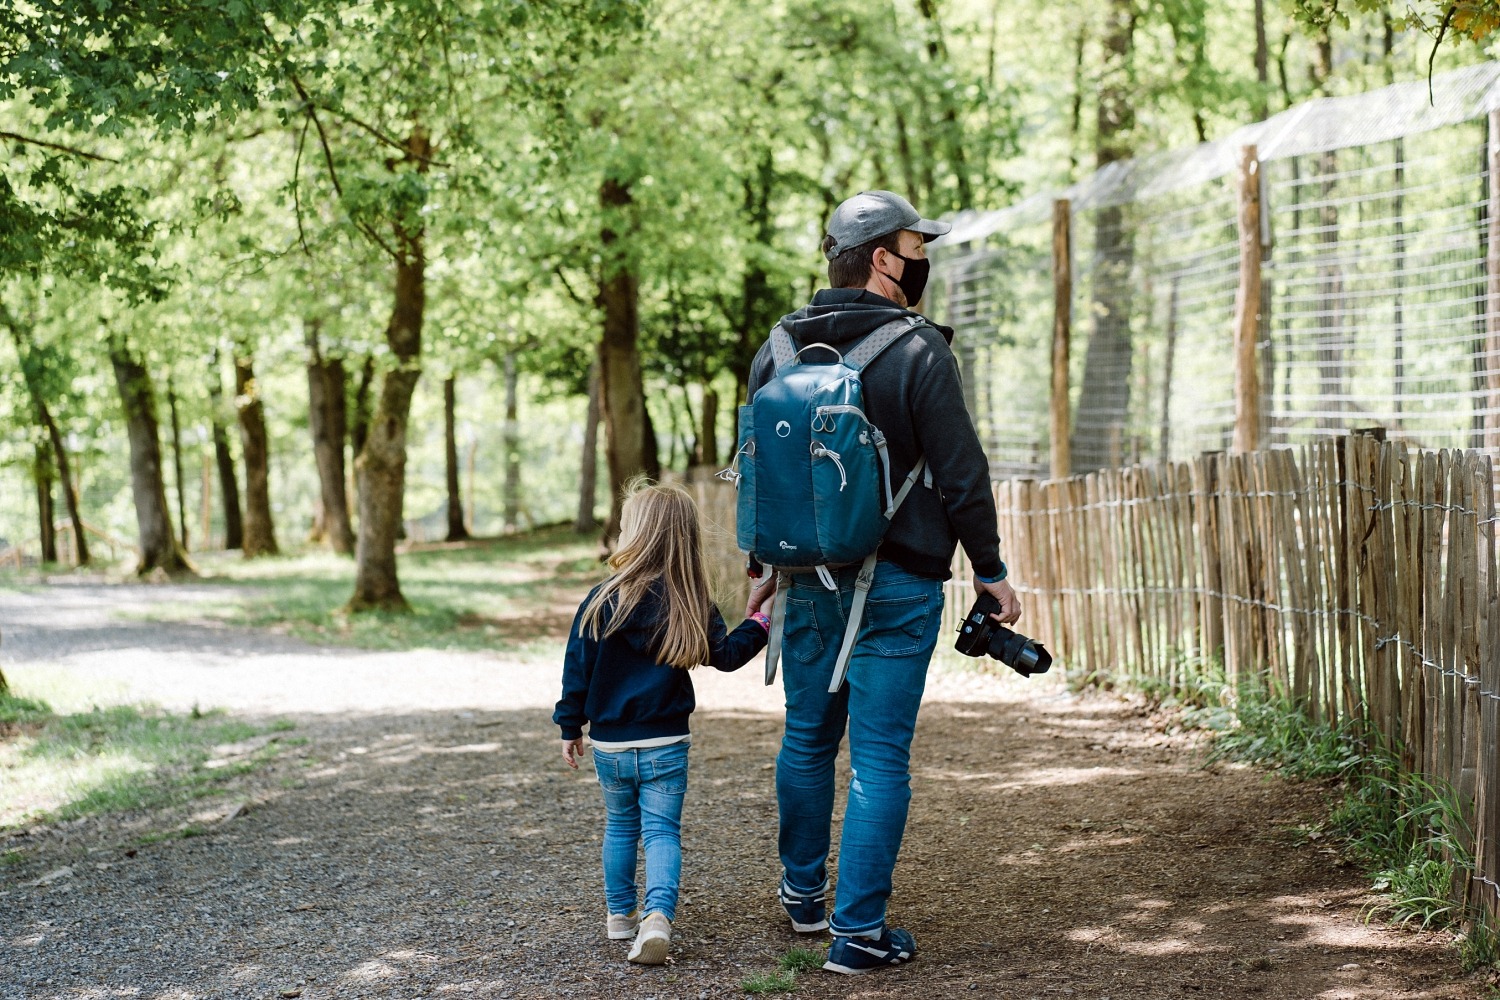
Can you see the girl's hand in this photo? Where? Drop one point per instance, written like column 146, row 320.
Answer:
column 572, row 750
column 761, row 596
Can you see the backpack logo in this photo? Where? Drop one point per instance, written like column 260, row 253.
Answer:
column 785, row 547
column 783, row 429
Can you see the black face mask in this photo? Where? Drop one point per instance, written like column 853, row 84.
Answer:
column 913, row 280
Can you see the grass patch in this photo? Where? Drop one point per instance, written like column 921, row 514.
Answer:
column 784, row 978
column 18, row 711
column 515, row 595
column 1280, row 737
column 801, row 960
column 1406, row 833
column 119, row 759
column 769, row 982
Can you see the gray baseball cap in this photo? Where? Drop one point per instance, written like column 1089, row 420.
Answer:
column 871, row 214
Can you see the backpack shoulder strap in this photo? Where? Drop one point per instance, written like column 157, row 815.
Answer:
column 869, row 349
column 783, row 348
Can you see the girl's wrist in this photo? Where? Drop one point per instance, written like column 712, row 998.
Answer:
column 761, row 620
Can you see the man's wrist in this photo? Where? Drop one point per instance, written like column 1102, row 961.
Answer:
column 1004, row 572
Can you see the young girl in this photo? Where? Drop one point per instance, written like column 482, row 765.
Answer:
column 625, row 673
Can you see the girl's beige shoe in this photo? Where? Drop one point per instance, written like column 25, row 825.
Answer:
column 622, row 925
column 651, row 941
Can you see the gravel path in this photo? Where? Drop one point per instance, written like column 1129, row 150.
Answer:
column 426, row 841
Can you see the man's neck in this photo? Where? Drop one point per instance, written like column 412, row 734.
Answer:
column 886, row 288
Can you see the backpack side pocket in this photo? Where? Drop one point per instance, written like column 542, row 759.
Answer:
column 744, row 464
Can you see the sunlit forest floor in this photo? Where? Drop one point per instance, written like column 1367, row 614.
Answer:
column 511, row 595
column 321, row 811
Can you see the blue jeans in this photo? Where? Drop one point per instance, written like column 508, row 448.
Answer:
column 878, row 704
column 643, row 793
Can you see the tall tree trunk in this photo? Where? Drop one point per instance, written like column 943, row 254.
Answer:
column 708, row 429
column 1262, row 102
column 381, row 466
column 60, row 459
column 158, row 543
column 952, row 128
column 229, row 483
column 260, row 530
column 512, row 444
column 1075, row 112
column 624, row 392
column 1330, row 333
column 182, row 525
column 759, row 304
column 588, row 472
column 327, row 383
column 1104, row 402
column 457, row 531
column 42, row 472
column 69, row 486
column 359, row 427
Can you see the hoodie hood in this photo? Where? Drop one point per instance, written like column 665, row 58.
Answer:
column 839, row 316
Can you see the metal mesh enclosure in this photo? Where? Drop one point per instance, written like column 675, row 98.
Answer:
column 1374, row 225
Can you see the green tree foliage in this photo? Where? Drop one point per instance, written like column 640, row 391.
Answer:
column 450, row 186
column 77, row 79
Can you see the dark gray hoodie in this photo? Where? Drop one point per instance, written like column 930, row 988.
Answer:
column 913, row 394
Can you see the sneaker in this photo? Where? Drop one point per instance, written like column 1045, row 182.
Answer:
column 622, row 925
column 651, row 940
column 808, row 913
column 854, row 956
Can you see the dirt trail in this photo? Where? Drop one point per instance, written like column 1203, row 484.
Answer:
column 427, row 842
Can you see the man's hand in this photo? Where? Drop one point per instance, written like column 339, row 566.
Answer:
column 572, row 750
column 1010, row 605
column 761, row 596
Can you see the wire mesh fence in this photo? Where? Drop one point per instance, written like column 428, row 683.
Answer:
column 1373, row 311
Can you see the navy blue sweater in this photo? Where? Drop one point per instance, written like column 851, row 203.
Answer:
column 617, row 685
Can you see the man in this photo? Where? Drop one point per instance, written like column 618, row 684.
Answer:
column 876, row 249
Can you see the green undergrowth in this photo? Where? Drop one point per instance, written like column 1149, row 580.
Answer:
column 514, row 595
column 121, row 758
column 783, row 979
column 1405, row 832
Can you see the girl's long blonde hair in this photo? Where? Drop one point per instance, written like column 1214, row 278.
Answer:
column 659, row 540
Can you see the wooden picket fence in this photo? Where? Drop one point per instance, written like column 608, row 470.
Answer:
column 1354, row 578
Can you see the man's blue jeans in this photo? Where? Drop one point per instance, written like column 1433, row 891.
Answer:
column 643, row 793
column 887, row 673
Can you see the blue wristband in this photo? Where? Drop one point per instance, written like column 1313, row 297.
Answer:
column 1004, row 572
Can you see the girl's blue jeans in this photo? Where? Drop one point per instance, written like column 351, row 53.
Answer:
column 878, row 704
column 643, row 793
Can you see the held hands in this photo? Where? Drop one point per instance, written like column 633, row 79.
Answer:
column 572, row 750
column 1010, row 605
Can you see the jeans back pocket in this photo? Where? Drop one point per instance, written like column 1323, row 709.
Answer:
column 898, row 625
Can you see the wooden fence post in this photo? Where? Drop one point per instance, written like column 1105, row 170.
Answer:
column 1062, row 324
column 1247, row 308
column 1492, row 296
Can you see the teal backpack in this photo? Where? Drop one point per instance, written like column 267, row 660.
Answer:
column 813, row 475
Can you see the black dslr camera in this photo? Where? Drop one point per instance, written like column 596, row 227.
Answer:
column 979, row 634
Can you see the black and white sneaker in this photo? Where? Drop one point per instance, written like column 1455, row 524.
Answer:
column 809, row 912
column 854, row 956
